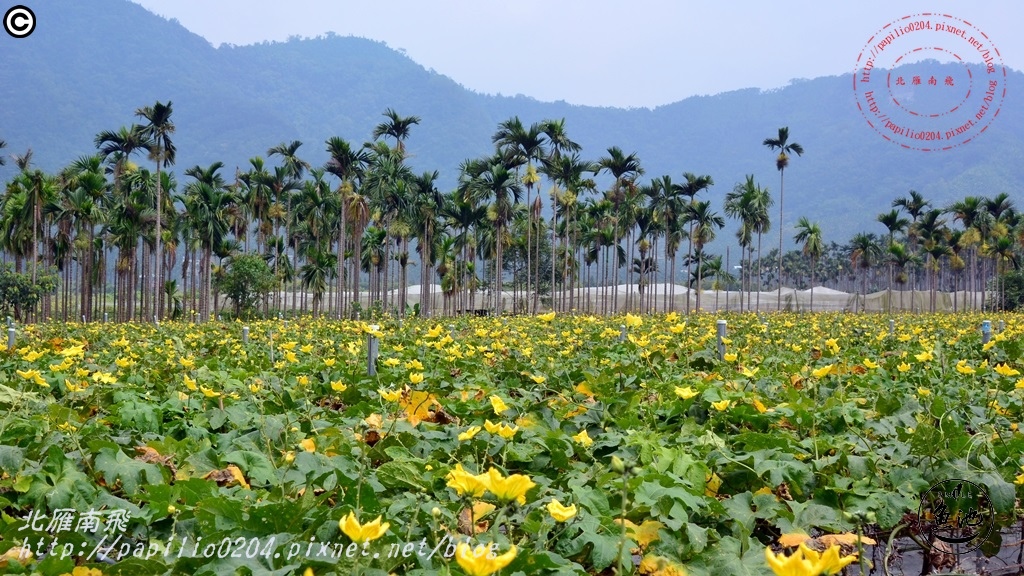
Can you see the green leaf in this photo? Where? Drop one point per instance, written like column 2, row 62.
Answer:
column 401, row 474
column 11, row 459
column 256, row 466
column 116, row 466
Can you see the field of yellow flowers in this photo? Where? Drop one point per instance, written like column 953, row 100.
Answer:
column 543, row 445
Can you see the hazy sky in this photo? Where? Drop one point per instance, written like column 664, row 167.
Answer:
column 600, row 52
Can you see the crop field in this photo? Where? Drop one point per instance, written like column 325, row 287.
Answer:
column 552, row 444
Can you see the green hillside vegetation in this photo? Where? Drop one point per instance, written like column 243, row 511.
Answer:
column 89, row 67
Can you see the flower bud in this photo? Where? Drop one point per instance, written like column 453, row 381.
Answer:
column 618, row 465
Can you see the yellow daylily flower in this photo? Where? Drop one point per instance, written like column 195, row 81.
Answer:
column 360, row 533
column 561, row 513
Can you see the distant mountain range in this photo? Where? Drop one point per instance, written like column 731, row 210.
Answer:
column 90, row 65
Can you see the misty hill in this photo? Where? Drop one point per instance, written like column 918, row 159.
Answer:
column 89, row 66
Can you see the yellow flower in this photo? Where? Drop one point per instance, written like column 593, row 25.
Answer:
column 963, row 368
column 583, row 439
column 360, row 533
column 414, row 365
column 537, row 379
column 329, row 362
column 1005, row 370
column 302, row 380
column 306, row 349
column 503, row 430
column 546, row 317
column 338, row 386
column 416, row 377
column 512, row 487
column 208, row 392
column 391, row 362
column 903, row 367
column 832, row 345
column 289, row 345
column 291, row 357
column 482, row 561
column 187, row 363
column 34, row 376
column 730, row 357
column 308, row 445
column 989, row 345
column 807, row 562
column 123, row 362
column 466, row 484
column 390, row 395
column 759, row 406
column 633, row 321
column 748, row 372
column 498, row 405
column 869, row 364
column 823, row 371
column 181, row 395
column 685, row 393
column 561, row 513
column 1020, row 478
column 469, row 433
column 721, row 405
column 924, row 392
column 924, row 356
column 435, row 331
column 33, row 355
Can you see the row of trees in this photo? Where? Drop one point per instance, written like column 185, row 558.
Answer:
column 529, row 218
